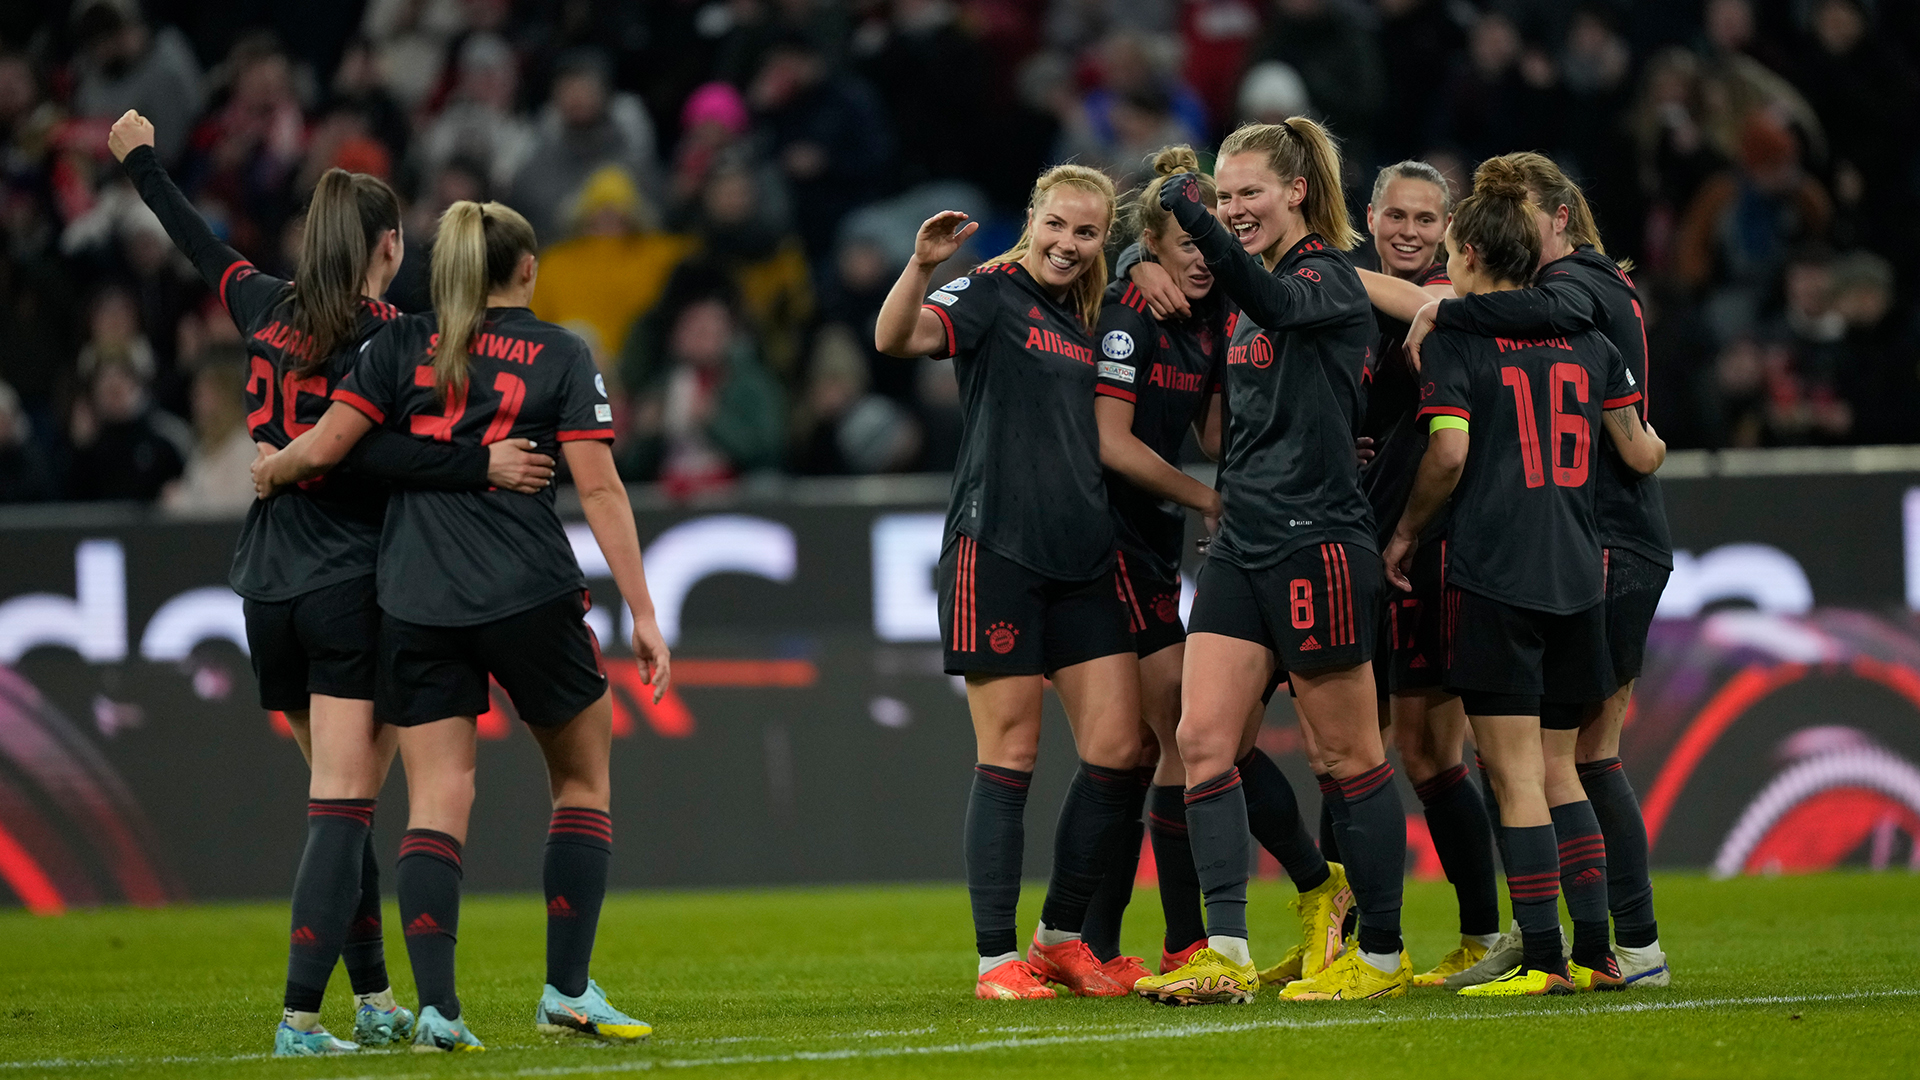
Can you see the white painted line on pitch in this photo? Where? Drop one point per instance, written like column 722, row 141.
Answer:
column 1071, row 1034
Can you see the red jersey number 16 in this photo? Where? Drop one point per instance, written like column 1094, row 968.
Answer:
column 1562, row 427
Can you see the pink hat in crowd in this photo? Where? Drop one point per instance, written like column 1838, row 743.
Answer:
column 715, row 103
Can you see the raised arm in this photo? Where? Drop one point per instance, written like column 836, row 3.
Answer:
column 904, row 327
column 1398, row 297
column 603, row 498
column 1288, row 302
column 1123, row 452
column 1558, row 305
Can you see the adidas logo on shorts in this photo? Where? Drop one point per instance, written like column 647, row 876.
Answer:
column 1310, row 644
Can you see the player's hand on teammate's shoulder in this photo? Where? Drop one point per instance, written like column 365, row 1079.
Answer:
column 1164, row 298
column 1418, row 330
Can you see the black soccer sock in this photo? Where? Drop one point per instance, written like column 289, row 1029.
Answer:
column 1173, row 864
column 1273, row 814
column 1091, row 819
column 579, row 847
column 428, row 884
column 1108, row 908
column 1373, row 833
column 325, row 892
column 996, row 837
column 365, row 952
column 1629, row 888
column 1583, row 879
column 1222, row 846
column 1533, row 883
column 1329, row 837
column 1463, row 838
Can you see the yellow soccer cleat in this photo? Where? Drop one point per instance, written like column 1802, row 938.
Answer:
column 1287, row 970
column 1605, row 977
column 1521, row 982
column 1323, row 912
column 1351, row 978
column 1208, row 978
column 1468, row 954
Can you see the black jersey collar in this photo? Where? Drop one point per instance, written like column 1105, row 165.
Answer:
column 1307, row 243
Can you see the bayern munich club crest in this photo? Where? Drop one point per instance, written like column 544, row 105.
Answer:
column 1166, row 608
column 1001, row 637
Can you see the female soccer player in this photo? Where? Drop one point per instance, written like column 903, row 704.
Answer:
column 1292, row 577
column 1156, row 380
column 1525, row 579
column 1578, row 288
column 1408, row 217
column 474, row 584
column 1026, row 576
column 305, row 563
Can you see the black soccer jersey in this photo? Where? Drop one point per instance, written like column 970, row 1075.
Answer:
column 1399, row 437
column 1523, row 529
column 1167, row 371
column 1027, row 484
column 328, row 529
column 462, row 558
column 1586, row 290
column 1297, row 354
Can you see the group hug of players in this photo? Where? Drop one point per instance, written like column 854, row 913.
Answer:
column 1434, row 513
column 405, row 549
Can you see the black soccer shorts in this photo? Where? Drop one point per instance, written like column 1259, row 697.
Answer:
column 1152, row 604
column 1505, row 660
column 1316, row 609
column 1634, row 585
column 546, row 659
column 1415, row 623
column 321, row 642
column 1000, row 618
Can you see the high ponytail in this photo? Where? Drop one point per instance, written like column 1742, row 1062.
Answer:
column 1144, row 216
column 1496, row 221
column 475, row 252
column 1085, row 292
column 347, row 216
column 1299, row 147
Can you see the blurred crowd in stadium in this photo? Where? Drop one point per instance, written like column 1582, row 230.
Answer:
column 725, row 189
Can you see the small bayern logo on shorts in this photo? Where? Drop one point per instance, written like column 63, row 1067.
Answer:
column 1001, row 636
column 1166, row 607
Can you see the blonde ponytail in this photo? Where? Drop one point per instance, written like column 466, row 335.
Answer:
column 1085, row 292
column 476, row 251
column 346, row 217
column 1299, row 147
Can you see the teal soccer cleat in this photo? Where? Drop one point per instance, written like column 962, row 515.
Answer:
column 434, row 1032
column 290, row 1041
column 375, row 1026
column 589, row 1015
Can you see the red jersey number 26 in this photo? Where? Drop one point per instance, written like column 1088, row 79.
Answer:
column 512, row 391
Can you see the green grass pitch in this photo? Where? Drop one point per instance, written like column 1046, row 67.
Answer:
column 1792, row 977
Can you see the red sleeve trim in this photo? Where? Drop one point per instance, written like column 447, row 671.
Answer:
column 1113, row 391
column 1445, row 410
column 226, row 277
column 947, row 321
column 602, row 434
column 1621, row 402
column 350, row 398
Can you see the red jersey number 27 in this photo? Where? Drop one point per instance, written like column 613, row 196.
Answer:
column 512, row 391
